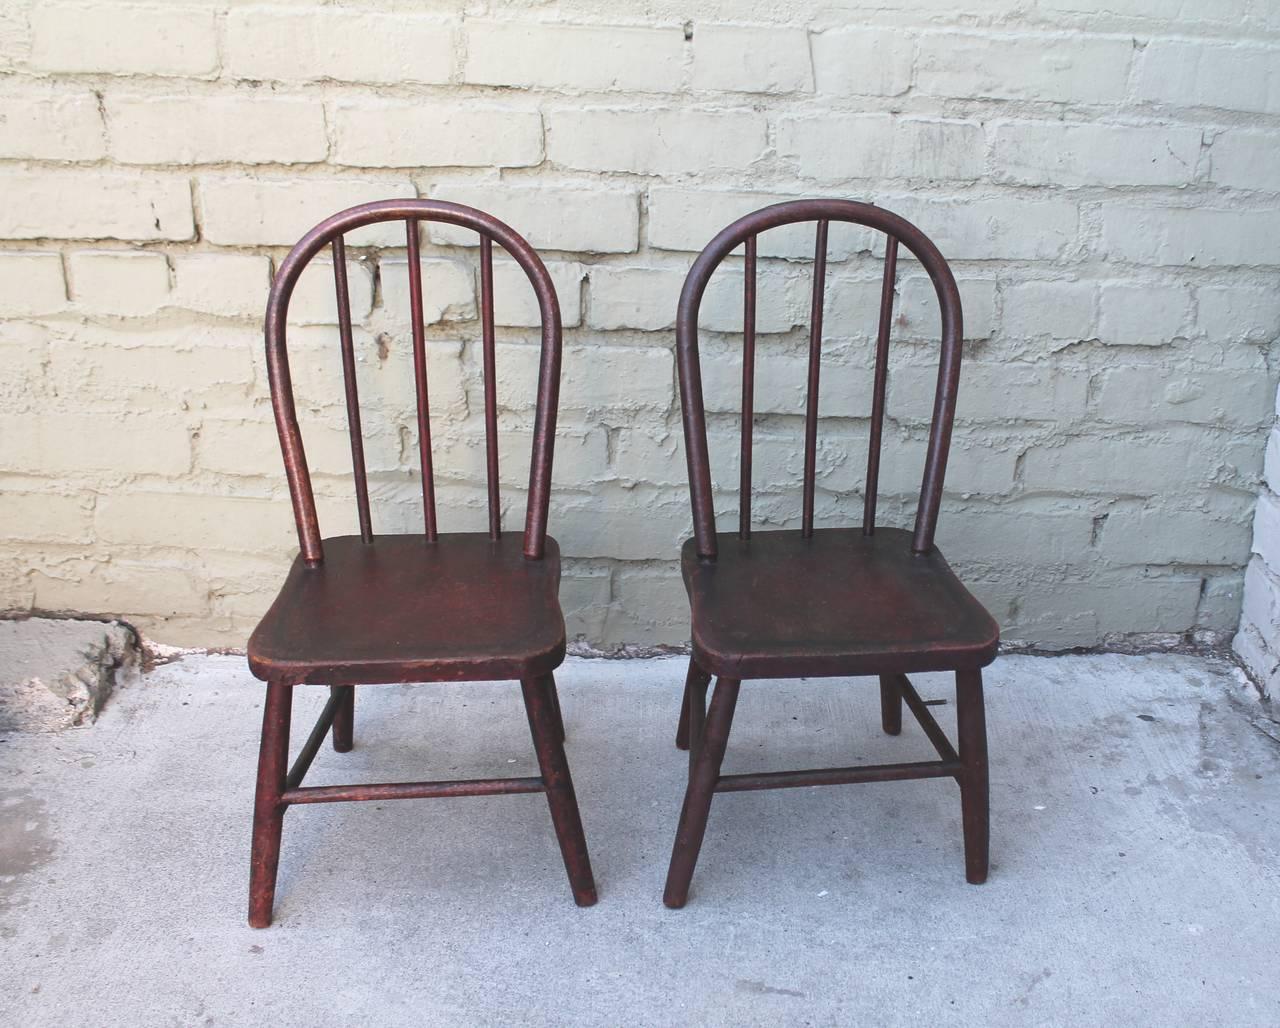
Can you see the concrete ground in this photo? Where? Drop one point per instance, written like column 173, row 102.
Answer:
column 1135, row 845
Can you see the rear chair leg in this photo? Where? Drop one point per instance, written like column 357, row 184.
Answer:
column 974, row 788
column 697, row 800
column 890, row 705
column 344, row 718
column 544, row 725
column 555, row 709
column 268, row 811
column 694, row 679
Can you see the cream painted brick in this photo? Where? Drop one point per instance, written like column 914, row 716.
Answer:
column 1197, row 73
column 516, row 305
column 1141, row 535
column 306, row 44
column 248, row 129
column 44, row 517
column 649, row 453
column 993, row 392
column 121, row 587
column 592, row 377
column 752, row 59
column 278, row 212
column 193, row 521
column 315, row 296
column 170, row 368
column 385, row 134
column 31, row 283
column 1061, row 154
column 24, row 354
column 835, row 148
column 917, row 315
column 783, row 300
column 1230, row 11
column 51, row 127
column 448, row 290
column 580, row 456
column 782, row 385
column 1238, row 312
column 649, row 603
column 1003, row 228
column 587, row 526
column 572, row 57
column 638, row 298
column 80, row 444
column 119, row 282
column 1021, row 533
column 584, row 598
column 94, row 204
column 655, row 142
column 550, row 217
column 252, row 448
column 1247, row 160
column 15, row 36
column 1150, row 464
column 1065, row 68
column 230, row 285
column 1271, row 463
column 687, row 219
column 1136, row 314
column 125, row 39
column 1155, row 395
column 1266, row 531
column 1198, row 237
column 1054, row 309
column 862, row 61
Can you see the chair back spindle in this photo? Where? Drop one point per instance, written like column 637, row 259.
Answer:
column 746, row 231
column 331, row 233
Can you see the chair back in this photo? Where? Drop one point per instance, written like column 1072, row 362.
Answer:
column 746, row 230
column 330, row 233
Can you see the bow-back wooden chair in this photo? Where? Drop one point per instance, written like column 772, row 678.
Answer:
column 428, row 607
column 831, row 601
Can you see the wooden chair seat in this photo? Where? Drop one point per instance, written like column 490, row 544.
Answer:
column 836, row 603
column 398, row 608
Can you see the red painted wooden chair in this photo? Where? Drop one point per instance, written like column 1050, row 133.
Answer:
column 364, row 609
column 825, row 602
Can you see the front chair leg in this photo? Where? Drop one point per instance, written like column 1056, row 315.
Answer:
column 695, row 679
column 344, row 717
column 974, row 788
column 268, row 811
column 890, row 705
column 555, row 709
column 697, row 800
column 545, row 727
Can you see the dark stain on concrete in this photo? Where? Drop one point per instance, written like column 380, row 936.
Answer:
column 25, row 842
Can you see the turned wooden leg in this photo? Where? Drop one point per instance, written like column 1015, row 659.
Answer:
column 268, row 811
column 890, row 705
column 344, row 718
column 694, row 679
column 974, row 789
column 543, row 724
column 702, row 782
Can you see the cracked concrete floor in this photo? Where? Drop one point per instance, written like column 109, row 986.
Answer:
column 1135, row 846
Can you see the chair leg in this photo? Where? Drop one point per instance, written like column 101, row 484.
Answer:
column 697, row 800
column 890, row 705
column 543, row 724
column 974, row 789
column 695, row 678
column 344, row 718
column 555, row 709
column 268, row 812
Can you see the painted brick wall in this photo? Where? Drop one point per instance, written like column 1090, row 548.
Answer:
column 1258, row 641
column 1105, row 185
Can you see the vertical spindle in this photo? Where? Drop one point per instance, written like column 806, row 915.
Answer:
column 420, row 381
column 490, row 384
column 349, row 382
column 878, row 389
column 748, row 386
column 815, row 357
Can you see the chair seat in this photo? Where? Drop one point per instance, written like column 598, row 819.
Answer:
column 838, row 603
column 400, row 609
